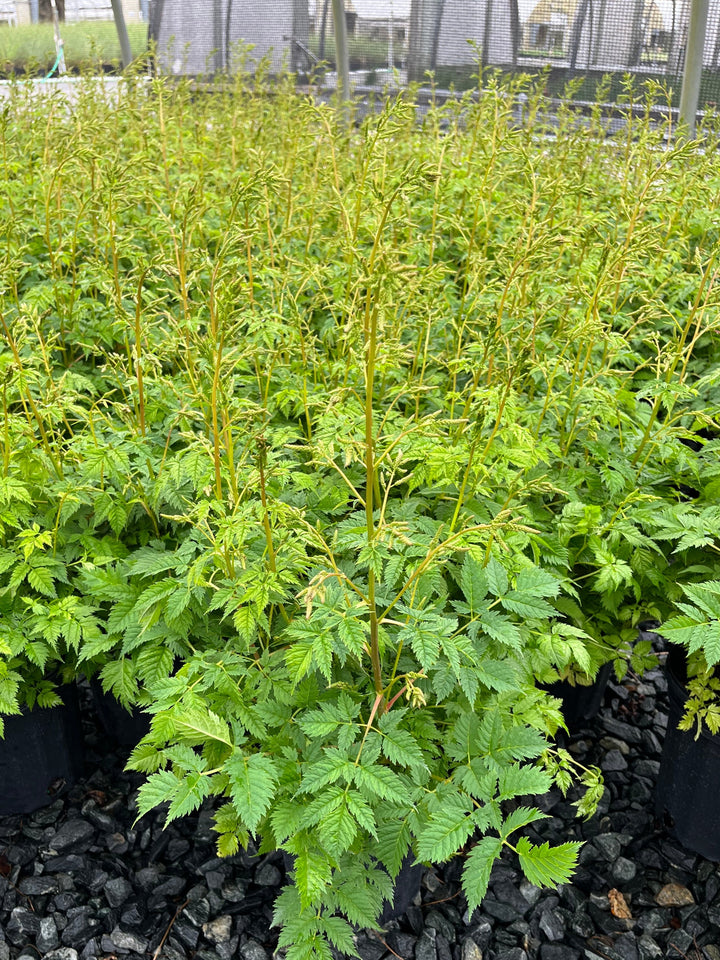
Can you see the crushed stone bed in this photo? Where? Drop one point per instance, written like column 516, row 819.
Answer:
column 79, row 881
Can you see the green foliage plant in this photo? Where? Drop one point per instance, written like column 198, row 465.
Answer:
column 331, row 445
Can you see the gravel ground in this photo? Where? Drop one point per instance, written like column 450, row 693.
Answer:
column 78, row 881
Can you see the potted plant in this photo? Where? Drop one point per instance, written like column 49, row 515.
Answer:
column 689, row 776
column 365, row 619
column 42, row 623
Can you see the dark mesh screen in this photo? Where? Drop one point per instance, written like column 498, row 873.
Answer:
column 609, row 49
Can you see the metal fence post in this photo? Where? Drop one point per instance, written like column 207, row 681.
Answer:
column 125, row 51
column 341, row 49
column 692, row 74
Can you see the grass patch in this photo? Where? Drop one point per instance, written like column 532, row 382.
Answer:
column 31, row 48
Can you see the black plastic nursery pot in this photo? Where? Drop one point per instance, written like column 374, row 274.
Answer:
column 688, row 788
column 581, row 703
column 406, row 890
column 126, row 728
column 41, row 755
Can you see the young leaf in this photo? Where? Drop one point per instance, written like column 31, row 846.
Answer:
column 547, row 866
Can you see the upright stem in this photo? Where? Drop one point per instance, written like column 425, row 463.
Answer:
column 370, row 344
column 138, row 353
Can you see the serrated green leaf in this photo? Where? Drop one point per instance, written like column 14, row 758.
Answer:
column 527, row 606
column 339, row 933
column 313, row 874
column 146, row 758
column 547, row 866
column 538, row 582
column 246, row 623
column 154, row 663
column 41, row 579
column 498, row 627
column 380, row 782
column 191, row 792
column 473, row 583
column 118, row 678
column 522, row 781
column 158, row 788
column 446, row 830
column 227, row 845
column 393, row 842
column 476, row 873
column 197, row 723
column 253, row 780
column 337, row 828
column 497, row 675
column 425, row 644
column 399, row 745
column 519, row 818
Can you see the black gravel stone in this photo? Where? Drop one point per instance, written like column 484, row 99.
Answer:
column 648, row 949
column 623, row 870
column 626, row 947
column 23, row 923
column 47, row 938
column 117, row 891
column 401, row 943
column 38, row 886
column 556, row 951
column 80, row 927
column 133, row 916
column 470, row 950
column 198, row 912
column 608, row 846
column 613, row 762
column 552, row 925
column 679, row 942
column 425, row 946
column 369, row 948
column 73, row 835
column 126, row 941
column 624, row 731
column 581, row 924
column 252, row 950
column 268, row 875
column 435, row 919
column 442, row 948
column 503, row 912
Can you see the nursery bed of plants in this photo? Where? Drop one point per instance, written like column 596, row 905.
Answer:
column 332, row 447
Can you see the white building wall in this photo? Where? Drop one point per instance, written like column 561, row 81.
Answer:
column 99, row 10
